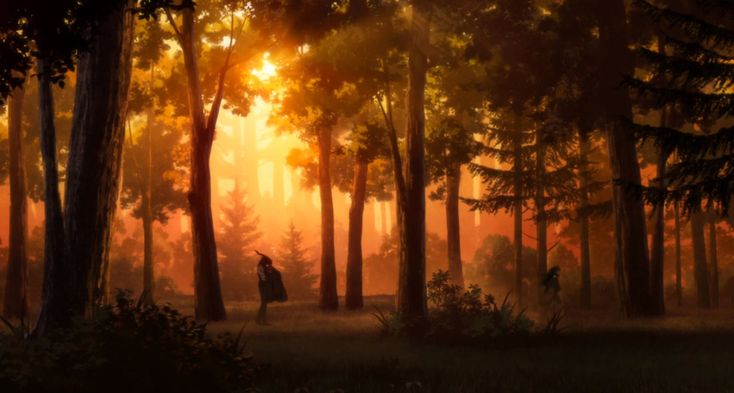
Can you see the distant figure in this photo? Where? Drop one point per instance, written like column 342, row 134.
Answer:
column 552, row 285
column 270, row 285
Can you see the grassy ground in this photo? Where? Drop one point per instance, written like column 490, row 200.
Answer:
column 687, row 351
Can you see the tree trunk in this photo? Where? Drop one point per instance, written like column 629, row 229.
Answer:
column 678, row 273
column 541, row 220
column 411, row 300
column 453, row 226
column 328, row 298
column 517, row 210
column 147, row 205
column 657, row 253
column 95, row 155
column 54, row 305
column 632, row 259
column 209, row 305
column 714, row 261
column 584, row 220
column 354, row 299
column 15, row 301
column 700, row 268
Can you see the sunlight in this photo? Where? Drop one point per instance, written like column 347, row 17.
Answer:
column 267, row 70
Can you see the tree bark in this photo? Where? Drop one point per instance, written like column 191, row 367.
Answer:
column 411, row 300
column 584, row 220
column 53, row 311
column 632, row 259
column 328, row 298
column 95, row 156
column 517, row 210
column 713, row 260
column 354, row 300
column 541, row 220
column 147, row 207
column 15, row 300
column 700, row 269
column 657, row 252
column 453, row 226
column 209, row 305
column 678, row 272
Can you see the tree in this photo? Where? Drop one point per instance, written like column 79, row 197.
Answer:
column 209, row 305
column 15, row 300
column 149, row 186
column 297, row 274
column 237, row 238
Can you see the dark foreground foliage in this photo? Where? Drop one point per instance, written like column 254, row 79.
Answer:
column 126, row 347
column 460, row 315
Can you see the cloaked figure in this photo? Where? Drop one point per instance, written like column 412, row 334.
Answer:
column 270, row 285
column 552, row 285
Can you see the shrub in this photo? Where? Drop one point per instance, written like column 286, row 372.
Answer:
column 126, row 347
column 458, row 314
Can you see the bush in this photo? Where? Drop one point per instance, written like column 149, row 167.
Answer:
column 126, row 347
column 457, row 314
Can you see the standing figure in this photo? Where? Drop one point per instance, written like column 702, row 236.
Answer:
column 552, row 286
column 270, row 285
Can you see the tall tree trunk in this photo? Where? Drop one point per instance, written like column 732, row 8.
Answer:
column 95, row 155
column 541, row 220
column 517, row 210
column 328, row 298
column 632, row 259
column 678, row 272
column 209, row 305
column 15, row 300
column 383, row 218
column 584, row 219
column 54, row 306
column 657, row 252
column 700, row 269
column 147, row 205
column 412, row 206
column 713, row 260
column 453, row 226
column 354, row 299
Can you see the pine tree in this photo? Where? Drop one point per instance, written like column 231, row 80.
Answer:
column 236, row 243
column 297, row 275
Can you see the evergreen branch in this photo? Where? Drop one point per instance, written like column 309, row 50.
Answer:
column 693, row 104
column 697, row 29
column 689, row 74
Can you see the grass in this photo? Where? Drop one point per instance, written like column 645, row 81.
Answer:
column 687, row 351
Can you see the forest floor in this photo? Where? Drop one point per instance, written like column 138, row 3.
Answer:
column 305, row 350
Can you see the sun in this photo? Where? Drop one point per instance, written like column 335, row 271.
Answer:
column 267, row 70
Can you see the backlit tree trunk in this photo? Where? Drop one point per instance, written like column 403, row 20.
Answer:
column 453, row 226
column 541, row 220
column 700, row 268
column 657, row 252
column 15, row 300
column 632, row 259
column 354, row 299
column 678, row 272
column 147, row 205
column 714, row 261
column 54, row 305
column 411, row 300
column 517, row 211
column 328, row 298
column 584, row 219
column 209, row 305
column 95, row 155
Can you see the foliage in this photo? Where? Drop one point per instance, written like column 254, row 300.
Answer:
column 493, row 267
column 127, row 347
column 458, row 314
column 297, row 276
column 235, row 244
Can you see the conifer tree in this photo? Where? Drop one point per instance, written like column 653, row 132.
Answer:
column 297, row 274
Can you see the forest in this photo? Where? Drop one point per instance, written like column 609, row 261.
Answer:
column 456, row 196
